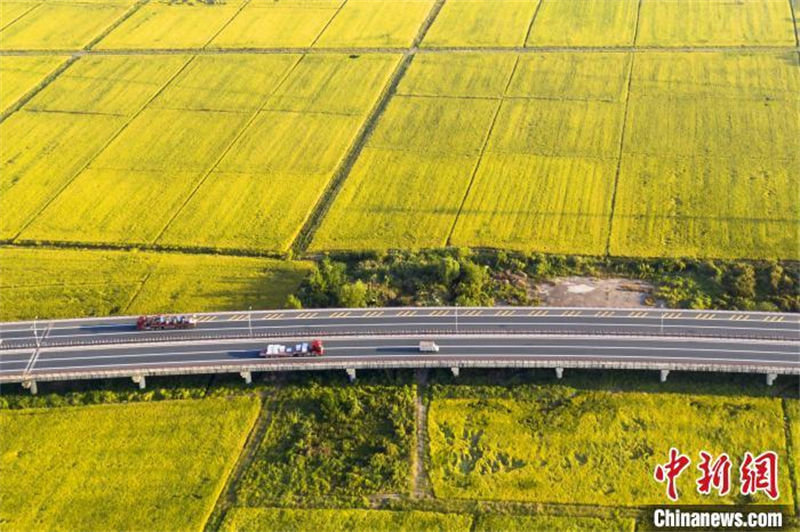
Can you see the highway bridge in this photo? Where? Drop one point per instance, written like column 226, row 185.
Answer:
column 386, row 338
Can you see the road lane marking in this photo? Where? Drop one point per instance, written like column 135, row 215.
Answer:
column 400, row 324
column 444, row 346
column 350, row 359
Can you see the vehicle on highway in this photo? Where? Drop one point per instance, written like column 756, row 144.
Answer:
column 314, row 348
column 428, row 347
column 161, row 322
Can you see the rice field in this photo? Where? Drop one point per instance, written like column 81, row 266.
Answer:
column 21, row 74
column 482, row 23
column 236, row 83
column 296, row 520
column 652, row 128
column 64, row 283
column 573, row 446
column 717, row 22
column 710, row 158
column 159, row 465
column 607, row 23
column 107, row 85
column 46, row 28
column 366, row 23
column 277, row 24
column 41, row 153
column 524, row 523
column 425, row 150
column 161, row 24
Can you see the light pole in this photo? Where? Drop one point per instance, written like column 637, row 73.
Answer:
column 456, row 318
column 662, row 323
column 250, row 320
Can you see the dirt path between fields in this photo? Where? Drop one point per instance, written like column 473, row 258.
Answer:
column 421, row 483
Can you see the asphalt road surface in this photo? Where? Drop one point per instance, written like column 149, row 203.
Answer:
column 389, row 338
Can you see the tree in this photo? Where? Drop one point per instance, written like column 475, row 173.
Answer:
column 293, row 302
column 353, row 295
column 741, row 281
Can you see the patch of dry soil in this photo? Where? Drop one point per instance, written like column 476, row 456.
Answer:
column 593, row 292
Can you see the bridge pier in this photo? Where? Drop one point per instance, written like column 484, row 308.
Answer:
column 771, row 378
column 140, row 380
column 455, row 371
column 664, row 373
column 351, row 374
column 559, row 373
column 247, row 376
column 31, row 385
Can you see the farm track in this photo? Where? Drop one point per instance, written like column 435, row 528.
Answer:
column 621, row 151
column 306, row 233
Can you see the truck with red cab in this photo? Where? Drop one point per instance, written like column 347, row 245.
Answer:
column 313, row 348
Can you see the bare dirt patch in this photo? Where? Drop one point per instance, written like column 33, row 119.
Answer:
column 594, row 292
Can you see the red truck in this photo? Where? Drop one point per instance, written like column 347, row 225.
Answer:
column 161, row 322
column 303, row 349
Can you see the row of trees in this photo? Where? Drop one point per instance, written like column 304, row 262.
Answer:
column 465, row 277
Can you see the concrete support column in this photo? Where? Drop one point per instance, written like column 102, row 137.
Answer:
column 559, row 373
column 351, row 374
column 771, row 378
column 31, row 385
column 664, row 373
column 139, row 379
column 247, row 376
column 455, row 371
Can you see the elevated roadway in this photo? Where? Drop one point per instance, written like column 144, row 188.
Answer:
column 663, row 340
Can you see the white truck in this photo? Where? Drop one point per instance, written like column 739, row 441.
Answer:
column 427, row 346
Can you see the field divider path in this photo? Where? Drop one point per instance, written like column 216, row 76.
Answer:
column 125, row 16
column 314, row 219
column 481, row 153
column 622, row 134
column 422, row 488
column 361, row 50
column 25, row 98
column 105, row 145
column 227, row 497
column 139, row 289
column 216, row 34
column 533, row 21
column 794, row 20
column 790, row 450
column 227, row 149
column 327, row 24
column 9, row 23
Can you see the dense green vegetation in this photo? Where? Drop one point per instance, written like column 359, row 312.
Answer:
column 484, row 277
column 326, row 444
column 137, row 466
